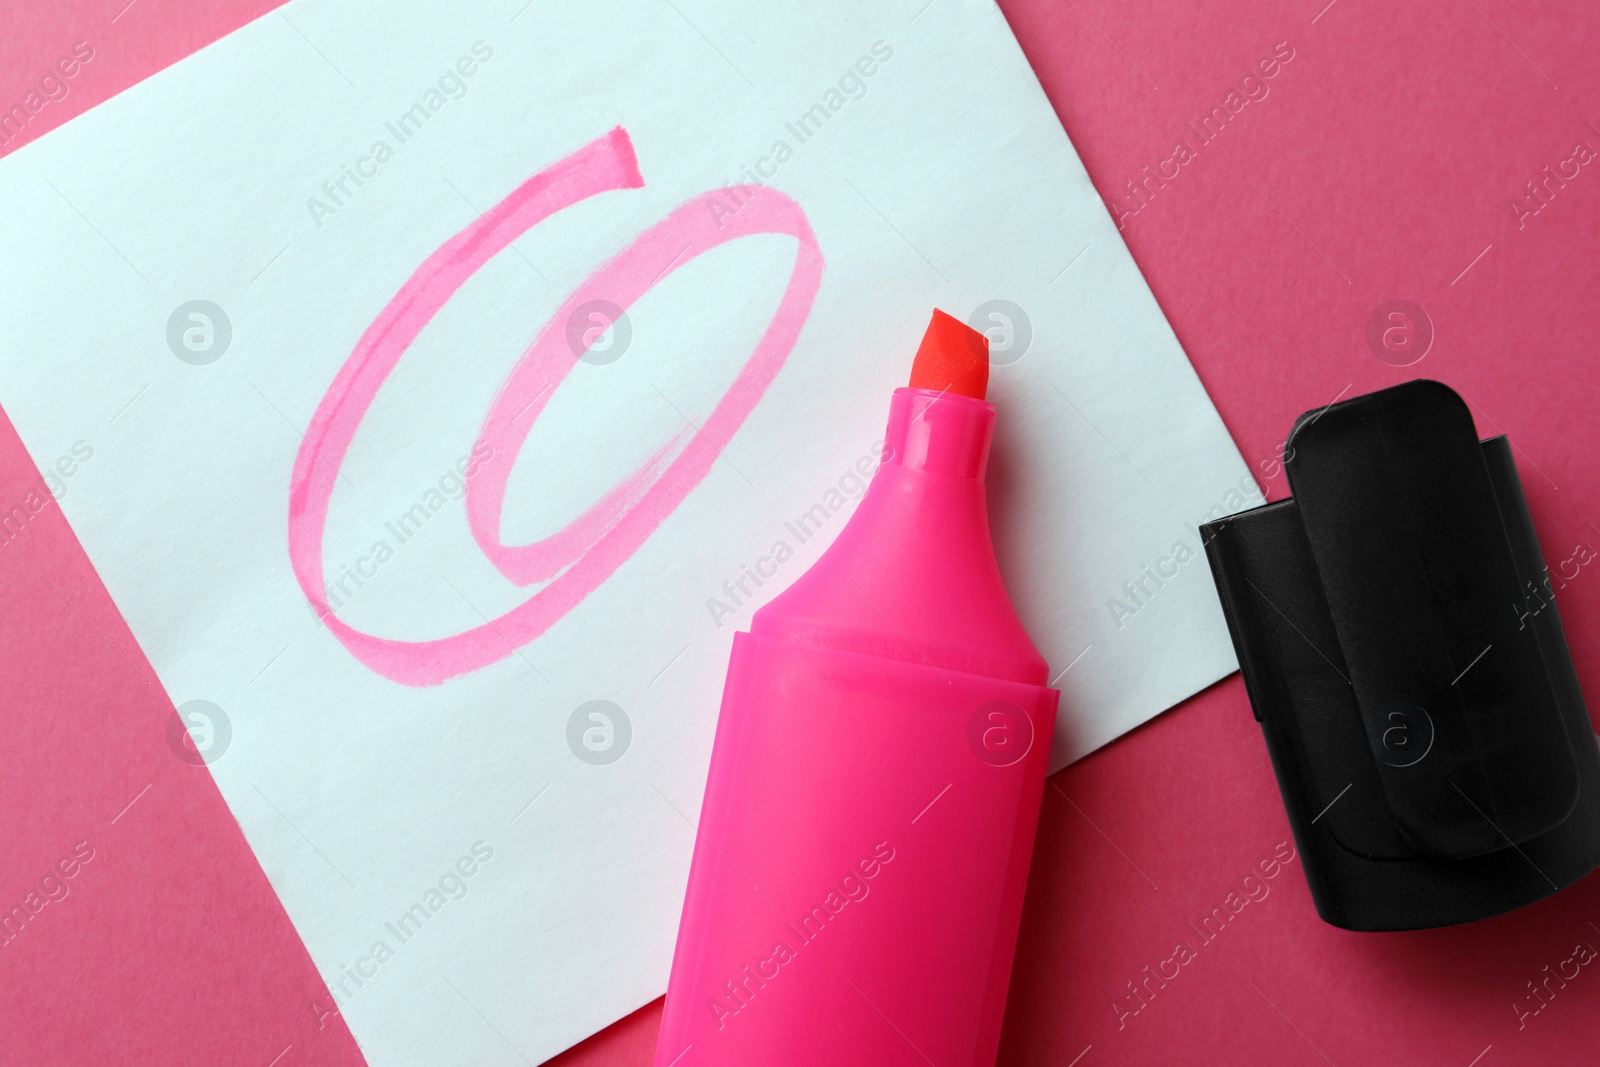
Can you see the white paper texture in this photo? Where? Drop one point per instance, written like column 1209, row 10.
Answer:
column 941, row 179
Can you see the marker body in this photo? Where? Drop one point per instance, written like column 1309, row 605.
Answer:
column 874, row 787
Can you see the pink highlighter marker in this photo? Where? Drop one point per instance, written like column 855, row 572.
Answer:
column 875, row 782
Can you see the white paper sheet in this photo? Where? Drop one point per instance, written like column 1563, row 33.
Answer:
column 922, row 154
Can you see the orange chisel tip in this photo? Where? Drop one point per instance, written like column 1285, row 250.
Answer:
column 953, row 357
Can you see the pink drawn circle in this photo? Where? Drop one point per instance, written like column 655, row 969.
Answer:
column 591, row 547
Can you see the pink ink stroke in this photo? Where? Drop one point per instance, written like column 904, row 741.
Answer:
column 592, row 546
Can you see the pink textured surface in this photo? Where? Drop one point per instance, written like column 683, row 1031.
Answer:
column 1382, row 165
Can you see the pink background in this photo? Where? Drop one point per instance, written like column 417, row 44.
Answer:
column 1382, row 165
